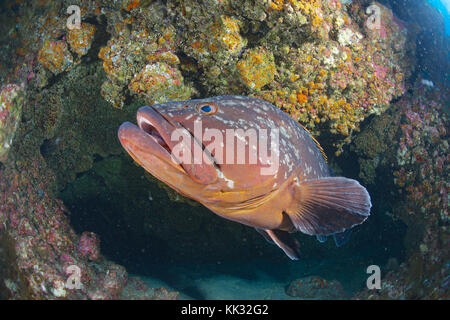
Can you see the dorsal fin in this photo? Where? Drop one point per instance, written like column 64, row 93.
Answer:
column 317, row 143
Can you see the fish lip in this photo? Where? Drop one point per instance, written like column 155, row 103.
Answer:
column 160, row 127
column 152, row 116
column 149, row 121
column 137, row 141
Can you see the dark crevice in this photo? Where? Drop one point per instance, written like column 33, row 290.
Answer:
column 101, row 38
column 194, row 77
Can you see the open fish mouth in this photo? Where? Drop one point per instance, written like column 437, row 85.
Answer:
column 148, row 140
column 153, row 138
column 144, row 121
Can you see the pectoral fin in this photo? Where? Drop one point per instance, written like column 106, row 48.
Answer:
column 328, row 205
column 284, row 240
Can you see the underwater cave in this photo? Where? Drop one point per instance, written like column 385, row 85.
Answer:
column 163, row 237
column 71, row 195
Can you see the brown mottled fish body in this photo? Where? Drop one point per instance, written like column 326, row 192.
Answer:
column 299, row 195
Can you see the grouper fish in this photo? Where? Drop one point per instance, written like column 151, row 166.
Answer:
column 299, row 194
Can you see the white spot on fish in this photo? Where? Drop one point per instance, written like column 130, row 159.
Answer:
column 230, row 183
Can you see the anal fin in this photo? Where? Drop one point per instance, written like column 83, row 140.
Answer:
column 284, row 240
column 266, row 236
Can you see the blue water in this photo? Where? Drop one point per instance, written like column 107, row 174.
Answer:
column 443, row 6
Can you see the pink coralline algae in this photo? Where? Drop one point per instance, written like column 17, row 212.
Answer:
column 420, row 166
column 88, row 246
column 38, row 246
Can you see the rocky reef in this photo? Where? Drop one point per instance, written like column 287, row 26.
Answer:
column 329, row 70
column 407, row 147
column 316, row 288
column 39, row 247
column 64, row 92
column 11, row 99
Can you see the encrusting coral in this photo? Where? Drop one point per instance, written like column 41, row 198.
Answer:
column 416, row 130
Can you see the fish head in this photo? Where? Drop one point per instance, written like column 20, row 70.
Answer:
column 207, row 149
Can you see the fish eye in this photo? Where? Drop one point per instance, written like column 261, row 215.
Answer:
column 207, row 108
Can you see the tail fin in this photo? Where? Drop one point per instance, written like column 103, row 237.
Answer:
column 342, row 238
column 328, row 205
